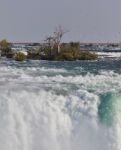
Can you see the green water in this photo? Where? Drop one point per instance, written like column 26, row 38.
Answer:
column 109, row 108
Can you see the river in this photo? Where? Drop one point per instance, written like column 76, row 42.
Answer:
column 46, row 105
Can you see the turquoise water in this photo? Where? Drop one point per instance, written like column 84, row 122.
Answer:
column 47, row 105
column 109, row 107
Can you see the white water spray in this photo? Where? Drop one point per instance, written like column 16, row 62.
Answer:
column 40, row 108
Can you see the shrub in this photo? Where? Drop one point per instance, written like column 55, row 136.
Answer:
column 20, row 56
column 65, row 56
column 33, row 56
column 5, row 47
column 69, row 51
column 88, row 56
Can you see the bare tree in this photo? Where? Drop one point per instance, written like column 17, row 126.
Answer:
column 50, row 45
column 50, row 41
column 54, row 42
column 58, row 34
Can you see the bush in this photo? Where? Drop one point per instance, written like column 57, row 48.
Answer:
column 20, row 56
column 69, row 52
column 74, row 54
column 34, row 56
column 65, row 56
column 88, row 56
column 5, row 47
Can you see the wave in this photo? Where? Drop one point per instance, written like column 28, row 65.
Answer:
column 55, row 109
column 110, row 115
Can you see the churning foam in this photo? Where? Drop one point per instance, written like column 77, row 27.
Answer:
column 48, row 109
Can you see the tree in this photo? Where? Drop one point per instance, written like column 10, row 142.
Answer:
column 53, row 43
column 58, row 34
column 49, row 40
column 50, row 44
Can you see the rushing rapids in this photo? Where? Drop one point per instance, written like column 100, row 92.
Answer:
column 60, row 105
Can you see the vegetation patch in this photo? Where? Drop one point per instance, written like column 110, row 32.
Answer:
column 20, row 56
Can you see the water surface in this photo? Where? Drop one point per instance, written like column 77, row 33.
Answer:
column 47, row 105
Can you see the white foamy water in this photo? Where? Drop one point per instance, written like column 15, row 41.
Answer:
column 49, row 108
